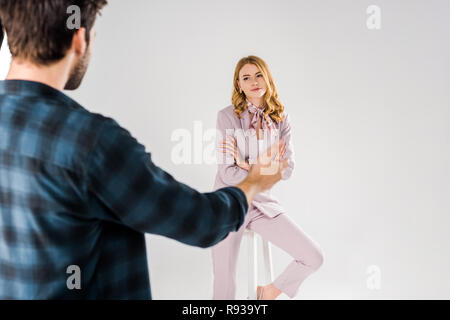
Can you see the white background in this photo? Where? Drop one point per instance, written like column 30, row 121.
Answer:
column 370, row 113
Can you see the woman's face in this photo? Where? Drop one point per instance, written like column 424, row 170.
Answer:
column 251, row 81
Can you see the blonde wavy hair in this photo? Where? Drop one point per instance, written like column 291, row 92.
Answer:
column 273, row 107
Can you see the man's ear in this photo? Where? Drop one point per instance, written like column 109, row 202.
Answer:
column 79, row 41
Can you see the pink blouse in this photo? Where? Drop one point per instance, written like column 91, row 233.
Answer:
column 229, row 174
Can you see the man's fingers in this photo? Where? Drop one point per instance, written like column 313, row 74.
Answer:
column 280, row 154
column 284, row 163
column 231, row 139
column 283, row 152
column 276, row 146
column 227, row 144
column 271, row 153
column 227, row 148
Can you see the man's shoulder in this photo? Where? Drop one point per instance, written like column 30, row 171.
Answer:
column 108, row 125
column 110, row 134
column 95, row 121
column 87, row 123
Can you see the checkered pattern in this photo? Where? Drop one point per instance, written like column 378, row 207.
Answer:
column 78, row 189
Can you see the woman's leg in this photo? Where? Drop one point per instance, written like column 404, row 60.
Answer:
column 224, row 258
column 285, row 234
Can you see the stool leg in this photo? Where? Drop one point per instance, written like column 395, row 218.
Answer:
column 252, row 265
column 267, row 252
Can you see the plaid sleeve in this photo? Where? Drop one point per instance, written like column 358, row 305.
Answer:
column 145, row 198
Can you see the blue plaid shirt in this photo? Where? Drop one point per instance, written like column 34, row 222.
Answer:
column 78, row 191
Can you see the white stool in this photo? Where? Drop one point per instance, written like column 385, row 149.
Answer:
column 253, row 262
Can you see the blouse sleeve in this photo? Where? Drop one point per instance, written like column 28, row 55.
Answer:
column 229, row 172
column 289, row 154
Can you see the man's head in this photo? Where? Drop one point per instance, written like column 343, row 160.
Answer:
column 43, row 32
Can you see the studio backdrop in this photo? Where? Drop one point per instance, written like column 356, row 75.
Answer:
column 366, row 84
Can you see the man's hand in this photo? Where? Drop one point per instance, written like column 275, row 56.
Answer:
column 265, row 172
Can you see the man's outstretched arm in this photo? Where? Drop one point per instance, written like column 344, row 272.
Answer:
column 145, row 198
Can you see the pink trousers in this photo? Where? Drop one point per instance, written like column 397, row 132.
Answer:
column 280, row 231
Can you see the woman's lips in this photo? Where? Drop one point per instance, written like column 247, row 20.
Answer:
column 256, row 89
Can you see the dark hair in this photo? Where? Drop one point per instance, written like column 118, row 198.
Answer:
column 1, row 33
column 37, row 30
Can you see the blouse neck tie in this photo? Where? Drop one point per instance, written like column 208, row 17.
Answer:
column 267, row 124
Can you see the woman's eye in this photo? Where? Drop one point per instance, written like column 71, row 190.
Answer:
column 259, row 75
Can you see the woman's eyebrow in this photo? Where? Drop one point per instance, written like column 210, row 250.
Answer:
column 248, row 74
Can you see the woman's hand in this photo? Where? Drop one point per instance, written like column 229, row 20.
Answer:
column 230, row 146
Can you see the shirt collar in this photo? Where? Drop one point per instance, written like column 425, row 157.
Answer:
column 34, row 88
